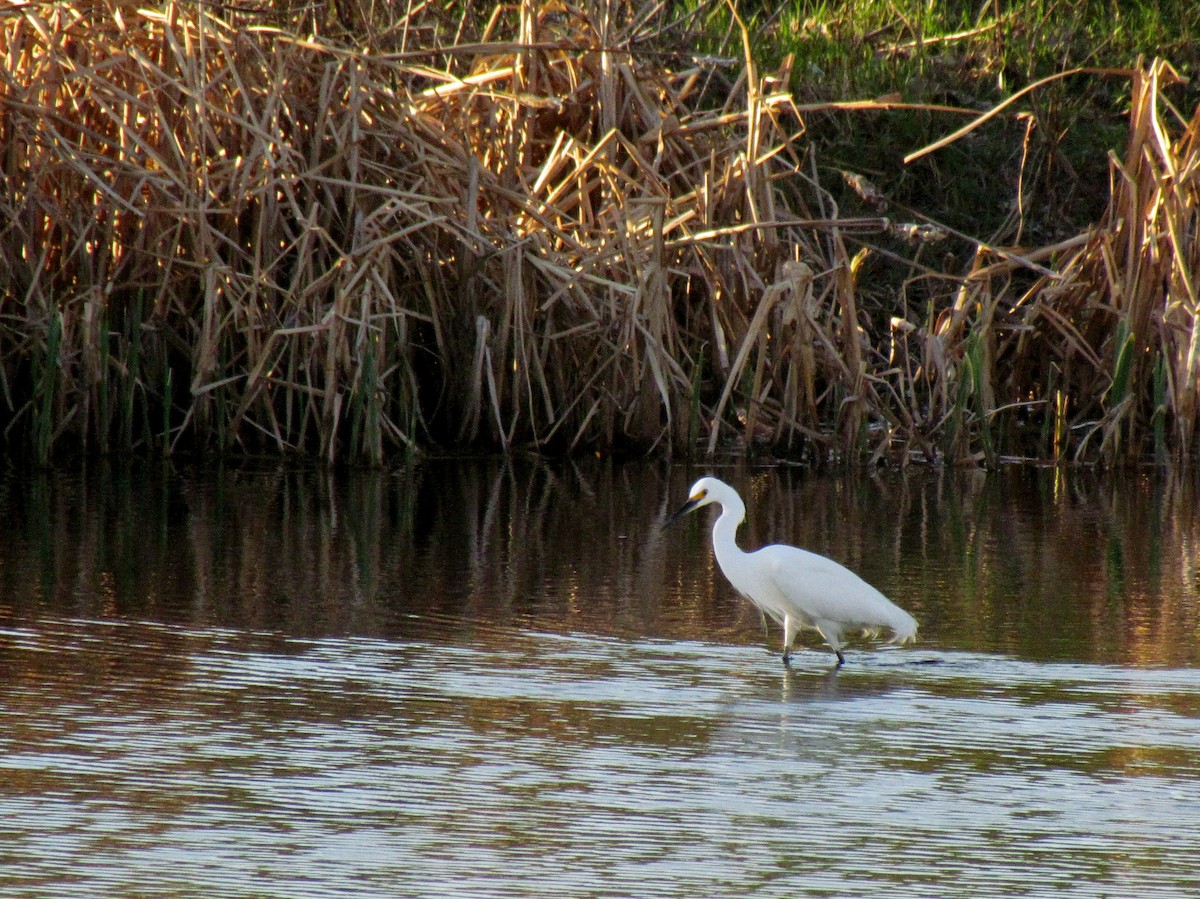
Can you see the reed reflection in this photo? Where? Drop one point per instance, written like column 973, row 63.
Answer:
column 1047, row 563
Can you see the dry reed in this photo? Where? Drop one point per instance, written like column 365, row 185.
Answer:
column 219, row 234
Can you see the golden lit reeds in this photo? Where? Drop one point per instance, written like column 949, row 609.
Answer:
column 1109, row 343
column 221, row 234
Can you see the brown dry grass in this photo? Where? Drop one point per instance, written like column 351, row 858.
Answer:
column 222, row 234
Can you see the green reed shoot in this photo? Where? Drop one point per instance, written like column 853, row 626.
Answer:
column 46, row 376
column 577, row 254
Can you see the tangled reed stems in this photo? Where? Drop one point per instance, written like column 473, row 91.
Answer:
column 219, row 233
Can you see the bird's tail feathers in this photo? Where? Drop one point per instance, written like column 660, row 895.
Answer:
column 902, row 625
column 904, row 628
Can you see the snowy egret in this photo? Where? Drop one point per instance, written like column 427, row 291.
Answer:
column 796, row 587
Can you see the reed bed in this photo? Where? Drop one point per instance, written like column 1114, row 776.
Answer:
column 534, row 227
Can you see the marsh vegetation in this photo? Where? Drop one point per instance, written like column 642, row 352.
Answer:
column 356, row 231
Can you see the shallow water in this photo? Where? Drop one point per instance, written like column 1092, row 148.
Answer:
column 508, row 681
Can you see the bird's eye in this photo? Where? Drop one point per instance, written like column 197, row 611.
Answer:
column 700, row 494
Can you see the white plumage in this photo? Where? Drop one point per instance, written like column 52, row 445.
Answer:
column 796, row 587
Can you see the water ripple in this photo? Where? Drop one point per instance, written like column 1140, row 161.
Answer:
column 532, row 764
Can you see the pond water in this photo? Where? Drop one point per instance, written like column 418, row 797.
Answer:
column 475, row 678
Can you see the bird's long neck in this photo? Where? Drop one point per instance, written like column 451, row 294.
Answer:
column 724, row 533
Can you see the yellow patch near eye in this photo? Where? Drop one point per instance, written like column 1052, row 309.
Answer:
column 699, row 495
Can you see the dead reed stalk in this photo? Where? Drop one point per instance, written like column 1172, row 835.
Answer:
column 219, row 234
column 1109, row 345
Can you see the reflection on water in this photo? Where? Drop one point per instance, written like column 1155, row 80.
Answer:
column 508, row 681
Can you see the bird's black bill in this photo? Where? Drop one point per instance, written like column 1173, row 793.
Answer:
column 680, row 512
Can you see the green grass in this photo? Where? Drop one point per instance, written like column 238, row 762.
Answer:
column 971, row 56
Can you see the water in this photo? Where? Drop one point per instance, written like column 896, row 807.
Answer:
column 483, row 680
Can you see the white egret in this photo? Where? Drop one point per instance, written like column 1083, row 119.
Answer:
column 796, row 587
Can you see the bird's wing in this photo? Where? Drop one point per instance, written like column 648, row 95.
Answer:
column 825, row 590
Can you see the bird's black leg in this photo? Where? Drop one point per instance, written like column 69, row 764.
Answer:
column 787, row 658
column 841, row 658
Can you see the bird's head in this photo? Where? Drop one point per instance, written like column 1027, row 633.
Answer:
column 703, row 492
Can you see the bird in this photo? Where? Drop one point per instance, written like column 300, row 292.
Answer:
column 797, row 588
